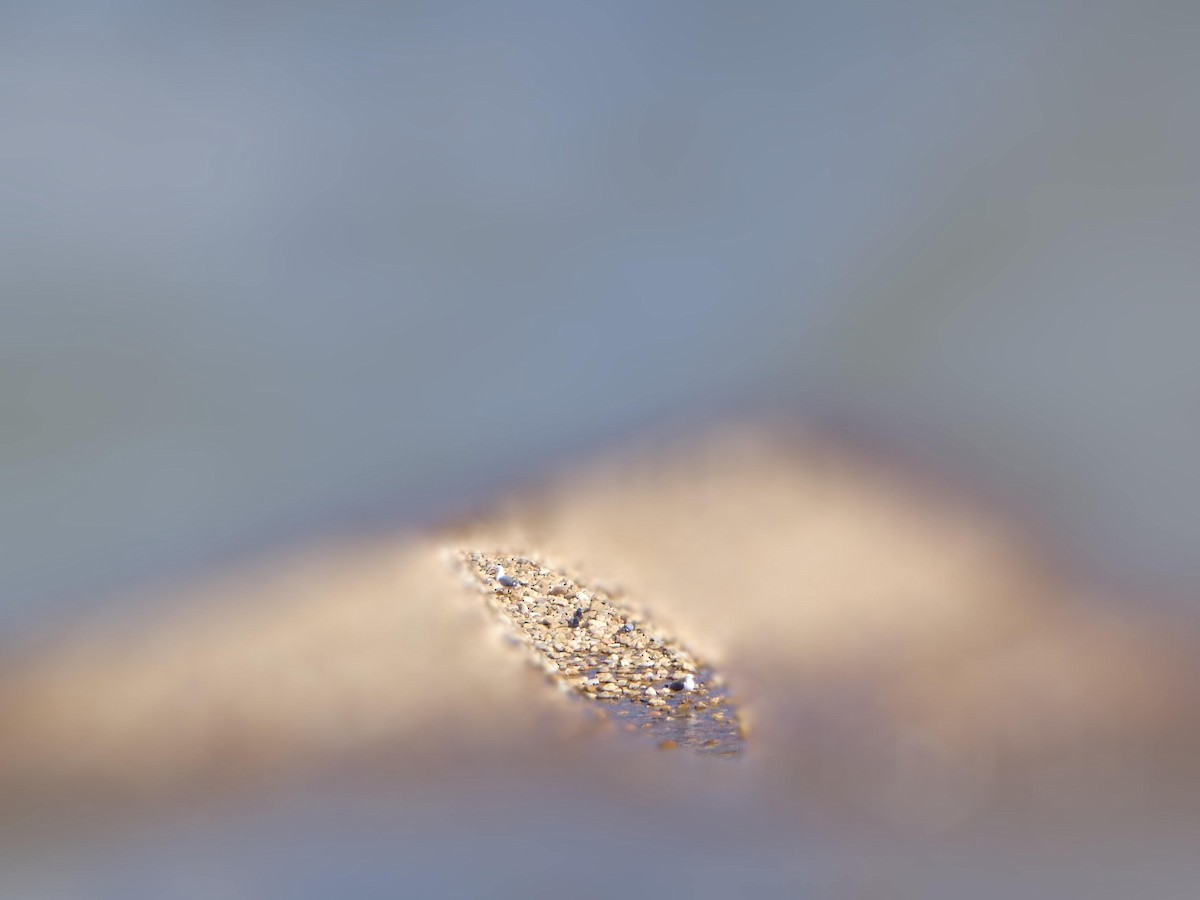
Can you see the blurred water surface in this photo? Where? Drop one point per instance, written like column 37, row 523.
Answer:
column 269, row 270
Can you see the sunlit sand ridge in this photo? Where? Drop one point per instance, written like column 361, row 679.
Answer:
column 878, row 639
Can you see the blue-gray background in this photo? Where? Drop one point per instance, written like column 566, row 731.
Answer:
column 270, row 270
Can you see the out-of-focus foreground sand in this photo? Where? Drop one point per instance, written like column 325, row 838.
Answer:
column 883, row 641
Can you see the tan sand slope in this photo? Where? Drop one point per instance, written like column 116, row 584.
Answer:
column 879, row 639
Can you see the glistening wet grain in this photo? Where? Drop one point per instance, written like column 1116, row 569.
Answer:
column 609, row 654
